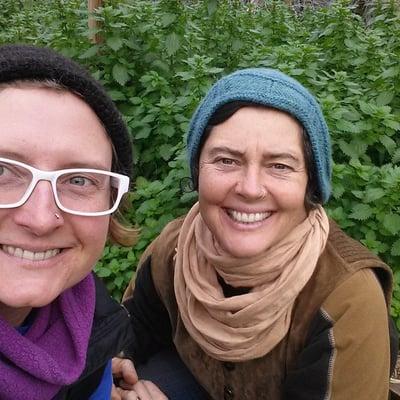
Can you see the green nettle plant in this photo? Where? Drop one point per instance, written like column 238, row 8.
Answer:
column 158, row 58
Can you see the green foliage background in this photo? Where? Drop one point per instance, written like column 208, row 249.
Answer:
column 158, row 58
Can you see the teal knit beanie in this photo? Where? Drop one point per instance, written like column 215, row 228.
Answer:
column 274, row 89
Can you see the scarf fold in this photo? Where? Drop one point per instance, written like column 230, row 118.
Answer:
column 250, row 325
column 53, row 352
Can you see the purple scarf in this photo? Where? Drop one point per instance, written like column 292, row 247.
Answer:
column 53, row 351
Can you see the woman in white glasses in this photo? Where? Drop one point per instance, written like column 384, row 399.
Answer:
column 65, row 158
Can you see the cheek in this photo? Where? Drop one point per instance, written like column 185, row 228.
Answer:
column 94, row 235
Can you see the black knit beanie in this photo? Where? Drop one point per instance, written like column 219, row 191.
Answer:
column 24, row 62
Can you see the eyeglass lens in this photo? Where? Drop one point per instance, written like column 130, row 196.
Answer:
column 77, row 191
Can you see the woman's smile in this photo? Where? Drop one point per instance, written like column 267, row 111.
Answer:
column 24, row 254
column 246, row 217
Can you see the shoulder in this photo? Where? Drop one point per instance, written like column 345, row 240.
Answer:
column 360, row 294
column 343, row 256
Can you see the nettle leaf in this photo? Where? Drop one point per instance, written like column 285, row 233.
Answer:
column 120, row 74
column 395, row 250
column 114, row 42
column 116, row 95
column 384, row 98
column 389, row 143
column 392, row 124
column 351, row 44
column 168, row 130
column 361, row 212
column 166, row 150
column 392, row 223
column 143, row 133
column 367, row 108
column 372, row 194
column 396, row 156
column 347, row 126
column 90, row 52
column 354, row 149
column 167, row 19
column 390, row 72
column 172, row 43
column 352, row 115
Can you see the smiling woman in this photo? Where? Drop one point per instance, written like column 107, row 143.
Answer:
column 260, row 294
column 65, row 161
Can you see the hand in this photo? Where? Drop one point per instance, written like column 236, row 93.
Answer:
column 124, row 372
column 142, row 390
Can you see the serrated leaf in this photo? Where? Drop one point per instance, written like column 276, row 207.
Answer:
column 347, row 126
column 361, row 212
column 103, row 272
column 120, row 74
column 237, row 44
column 384, row 98
column 172, row 43
column 395, row 250
column 167, row 19
column 165, row 151
column 392, row 124
column 396, row 156
column 366, row 108
column 351, row 44
column 114, row 42
column 392, row 223
column 168, row 130
column 389, row 143
column 373, row 194
column 116, row 95
column 390, row 72
column 352, row 116
column 142, row 133
column 90, row 52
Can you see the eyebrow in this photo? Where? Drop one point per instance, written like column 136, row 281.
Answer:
column 269, row 155
column 21, row 158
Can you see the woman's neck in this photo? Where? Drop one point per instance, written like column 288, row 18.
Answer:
column 14, row 316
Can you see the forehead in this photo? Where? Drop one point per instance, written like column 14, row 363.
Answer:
column 48, row 126
column 258, row 128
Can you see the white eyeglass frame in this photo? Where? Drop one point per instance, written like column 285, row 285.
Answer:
column 52, row 176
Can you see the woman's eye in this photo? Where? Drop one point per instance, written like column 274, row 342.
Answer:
column 282, row 167
column 227, row 161
column 80, row 181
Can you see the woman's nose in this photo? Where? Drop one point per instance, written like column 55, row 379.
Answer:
column 251, row 184
column 40, row 213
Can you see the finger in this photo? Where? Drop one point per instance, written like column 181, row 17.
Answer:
column 115, row 394
column 141, row 390
column 149, row 391
column 129, row 395
column 155, row 392
column 124, row 368
column 116, row 366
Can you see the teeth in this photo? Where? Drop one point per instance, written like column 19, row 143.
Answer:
column 248, row 218
column 30, row 255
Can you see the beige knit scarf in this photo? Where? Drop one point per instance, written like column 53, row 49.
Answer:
column 250, row 325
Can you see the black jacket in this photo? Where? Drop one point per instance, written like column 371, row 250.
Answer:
column 111, row 331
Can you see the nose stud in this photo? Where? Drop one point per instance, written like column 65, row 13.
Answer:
column 263, row 193
column 56, row 215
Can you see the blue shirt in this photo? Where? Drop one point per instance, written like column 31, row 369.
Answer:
column 103, row 391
